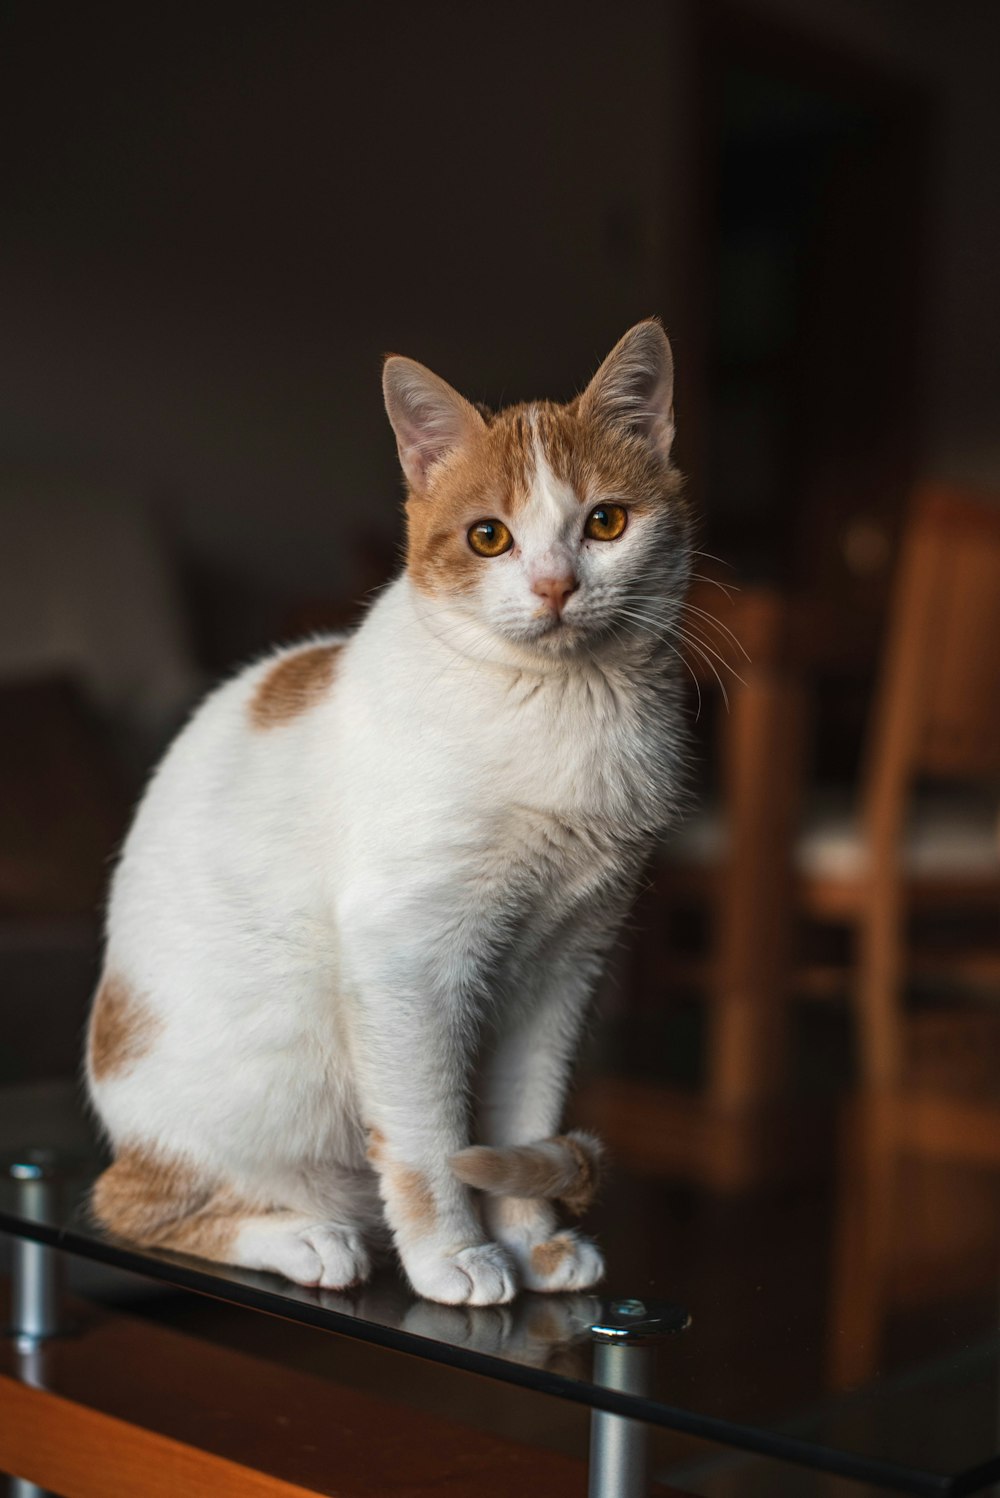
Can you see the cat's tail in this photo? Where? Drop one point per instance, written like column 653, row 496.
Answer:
column 566, row 1168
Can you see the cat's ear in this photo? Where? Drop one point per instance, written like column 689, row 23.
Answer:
column 430, row 419
column 634, row 387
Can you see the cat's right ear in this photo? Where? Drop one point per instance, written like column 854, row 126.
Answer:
column 429, row 418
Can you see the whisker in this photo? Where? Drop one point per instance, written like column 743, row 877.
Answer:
column 711, row 619
column 728, row 588
column 693, row 635
column 694, row 642
column 699, row 652
column 641, row 620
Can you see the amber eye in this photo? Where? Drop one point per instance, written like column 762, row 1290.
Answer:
column 606, row 522
column 489, row 538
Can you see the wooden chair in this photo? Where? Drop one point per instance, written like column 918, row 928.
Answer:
column 917, row 1214
column 936, row 714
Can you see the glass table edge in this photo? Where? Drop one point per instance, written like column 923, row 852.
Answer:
column 797, row 1450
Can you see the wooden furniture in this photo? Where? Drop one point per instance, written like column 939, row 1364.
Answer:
column 936, row 713
column 917, row 1214
column 932, row 1096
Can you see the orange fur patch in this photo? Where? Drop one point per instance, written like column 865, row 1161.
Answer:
column 376, row 1145
column 408, row 1191
column 166, row 1204
column 546, row 1257
column 413, row 1197
column 293, row 685
column 122, row 1029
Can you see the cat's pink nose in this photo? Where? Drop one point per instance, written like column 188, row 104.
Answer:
column 555, row 591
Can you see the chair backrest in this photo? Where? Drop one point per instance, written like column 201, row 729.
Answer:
column 937, row 708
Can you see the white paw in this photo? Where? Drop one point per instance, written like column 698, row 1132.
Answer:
column 286, row 1254
column 566, row 1261
column 316, row 1253
column 342, row 1254
column 482, row 1275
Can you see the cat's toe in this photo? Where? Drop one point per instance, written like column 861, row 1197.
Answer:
column 481, row 1275
column 491, row 1274
column 566, row 1261
column 343, row 1257
column 285, row 1253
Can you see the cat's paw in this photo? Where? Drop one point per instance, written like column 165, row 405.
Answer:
column 342, row 1255
column 318, row 1253
column 482, row 1275
column 566, row 1261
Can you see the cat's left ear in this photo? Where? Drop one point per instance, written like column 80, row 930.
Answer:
column 430, row 419
column 634, row 387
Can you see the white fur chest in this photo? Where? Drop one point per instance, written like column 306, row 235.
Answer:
column 501, row 800
column 590, row 742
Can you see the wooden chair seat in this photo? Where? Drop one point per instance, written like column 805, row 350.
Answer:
column 950, row 837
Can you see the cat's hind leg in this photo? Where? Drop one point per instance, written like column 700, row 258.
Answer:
column 160, row 1203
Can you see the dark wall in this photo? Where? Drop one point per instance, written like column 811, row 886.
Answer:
column 216, row 220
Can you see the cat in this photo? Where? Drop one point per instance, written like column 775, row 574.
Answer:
column 370, row 889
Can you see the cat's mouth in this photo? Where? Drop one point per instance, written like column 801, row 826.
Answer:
column 555, row 632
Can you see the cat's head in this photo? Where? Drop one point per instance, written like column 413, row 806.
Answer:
column 547, row 526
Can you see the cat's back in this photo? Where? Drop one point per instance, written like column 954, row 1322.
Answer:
column 229, row 813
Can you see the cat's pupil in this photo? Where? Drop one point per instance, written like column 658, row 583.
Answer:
column 488, row 531
column 601, row 516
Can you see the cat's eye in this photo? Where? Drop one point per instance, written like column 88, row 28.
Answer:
column 490, row 538
column 606, row 522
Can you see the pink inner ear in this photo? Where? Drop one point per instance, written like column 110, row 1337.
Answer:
column 430, row 419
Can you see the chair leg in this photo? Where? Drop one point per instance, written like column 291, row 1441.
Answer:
column 879, row 987
column 748, row 1031
column 866, row 1193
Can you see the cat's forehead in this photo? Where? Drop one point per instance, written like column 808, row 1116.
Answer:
column 541, row 454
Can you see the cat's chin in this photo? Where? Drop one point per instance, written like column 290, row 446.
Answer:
column 555, row 639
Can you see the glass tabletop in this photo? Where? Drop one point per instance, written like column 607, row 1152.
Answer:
column 745, row 1300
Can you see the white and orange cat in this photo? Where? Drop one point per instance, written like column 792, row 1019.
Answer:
column 368, row 894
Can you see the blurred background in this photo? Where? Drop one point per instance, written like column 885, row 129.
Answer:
column 215, row 220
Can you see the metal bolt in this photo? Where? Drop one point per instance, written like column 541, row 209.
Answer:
column 628, row 1308
column 33, row 1165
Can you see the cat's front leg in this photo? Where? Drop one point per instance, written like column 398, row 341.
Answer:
column 438, row 1234
column 414, row 1054
column 524, row 1092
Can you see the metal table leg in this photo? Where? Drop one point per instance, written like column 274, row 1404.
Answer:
column 626, row 1338
column 34, row 1302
